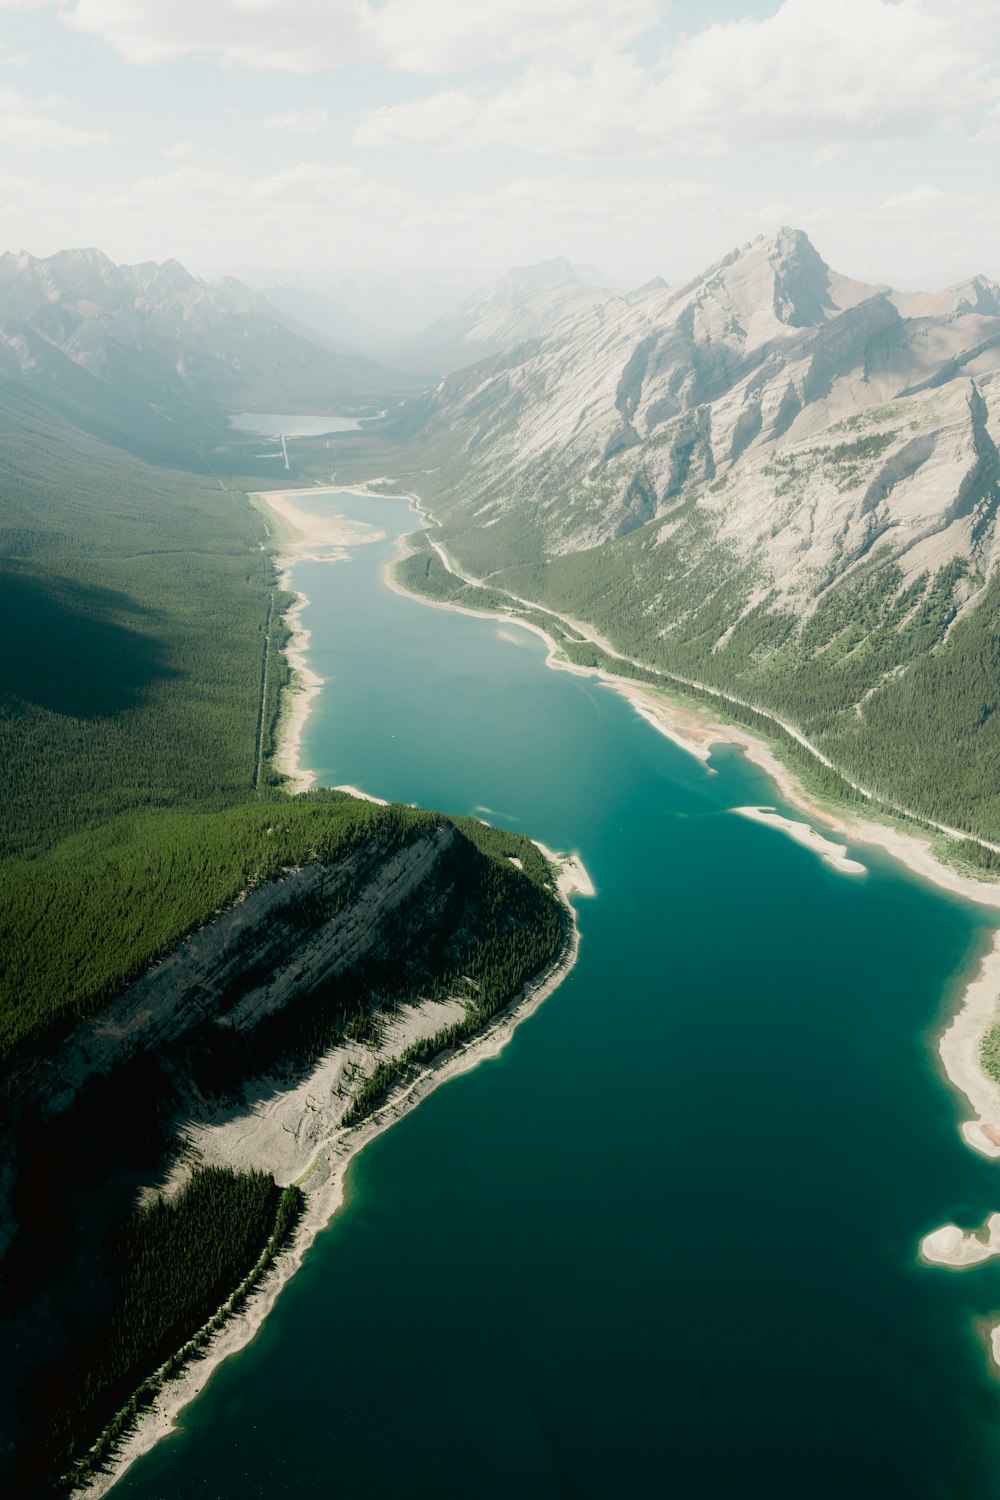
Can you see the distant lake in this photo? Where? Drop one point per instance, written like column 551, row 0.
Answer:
column 273, row 424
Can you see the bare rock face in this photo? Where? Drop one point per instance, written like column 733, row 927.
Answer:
column 297, row 934
column 798, row 416
column 286, row 941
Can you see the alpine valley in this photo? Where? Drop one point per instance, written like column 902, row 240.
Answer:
column 766, row 499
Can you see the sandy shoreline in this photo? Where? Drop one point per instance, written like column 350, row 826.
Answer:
column 303, row 538
column 298, row 698
column 695, row 730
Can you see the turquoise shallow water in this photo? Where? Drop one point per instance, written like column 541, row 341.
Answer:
column 667, row 1243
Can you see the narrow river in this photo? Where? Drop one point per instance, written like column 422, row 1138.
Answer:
column 667, row 1243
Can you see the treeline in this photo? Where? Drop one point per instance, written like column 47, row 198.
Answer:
column 989, row 1053
column 519, row 932
column 180, row 1268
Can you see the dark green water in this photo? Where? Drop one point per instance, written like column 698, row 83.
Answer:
column 667, row 1243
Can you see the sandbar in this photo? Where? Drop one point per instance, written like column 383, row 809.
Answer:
column 960, row 1049
column 950, row 1246
column 571, row 874
column 307, row 537
column 834, row 854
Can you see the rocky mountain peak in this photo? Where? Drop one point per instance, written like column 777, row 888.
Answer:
column 977, row 295
column 525, row 280
column 648, row 289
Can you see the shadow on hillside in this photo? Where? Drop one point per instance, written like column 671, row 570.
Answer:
column 73, row 649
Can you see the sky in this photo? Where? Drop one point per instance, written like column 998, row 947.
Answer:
column 641, row 136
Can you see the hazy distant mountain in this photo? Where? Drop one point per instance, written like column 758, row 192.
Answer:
column 326, row 318
column 370, row 315
column 526, row 302
column 130, row 350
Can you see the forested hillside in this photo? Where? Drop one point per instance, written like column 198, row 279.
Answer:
column 134, row 605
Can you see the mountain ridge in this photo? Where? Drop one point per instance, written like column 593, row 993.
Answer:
column 774, row 479
column 146, row 353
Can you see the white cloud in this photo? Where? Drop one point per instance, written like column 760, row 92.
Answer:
column 333, row 214
column 299, row 122
column 437, row 36
column 198, row 154
column 24, row 124
column 860, row 70
column 772, row 214
column 825, row 155
column 305, row 36
column 922, row 237
column 297, row 36
column 16, row 192
column 631, row 226
column 593, row 112
column 216, row 204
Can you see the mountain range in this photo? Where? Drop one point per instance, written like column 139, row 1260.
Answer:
column 773, row 479
column 382, row 319
column 145, row 354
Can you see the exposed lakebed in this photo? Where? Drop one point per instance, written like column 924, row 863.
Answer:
column 668, row 1240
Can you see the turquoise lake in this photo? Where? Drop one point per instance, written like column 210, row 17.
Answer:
column 667, row 1242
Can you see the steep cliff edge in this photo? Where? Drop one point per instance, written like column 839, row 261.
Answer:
column 341, row 973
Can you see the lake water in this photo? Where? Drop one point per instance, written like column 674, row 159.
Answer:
column 667, row 1243
column 273, row 424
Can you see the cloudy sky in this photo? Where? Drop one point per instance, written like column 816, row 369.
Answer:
column 643, row 136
